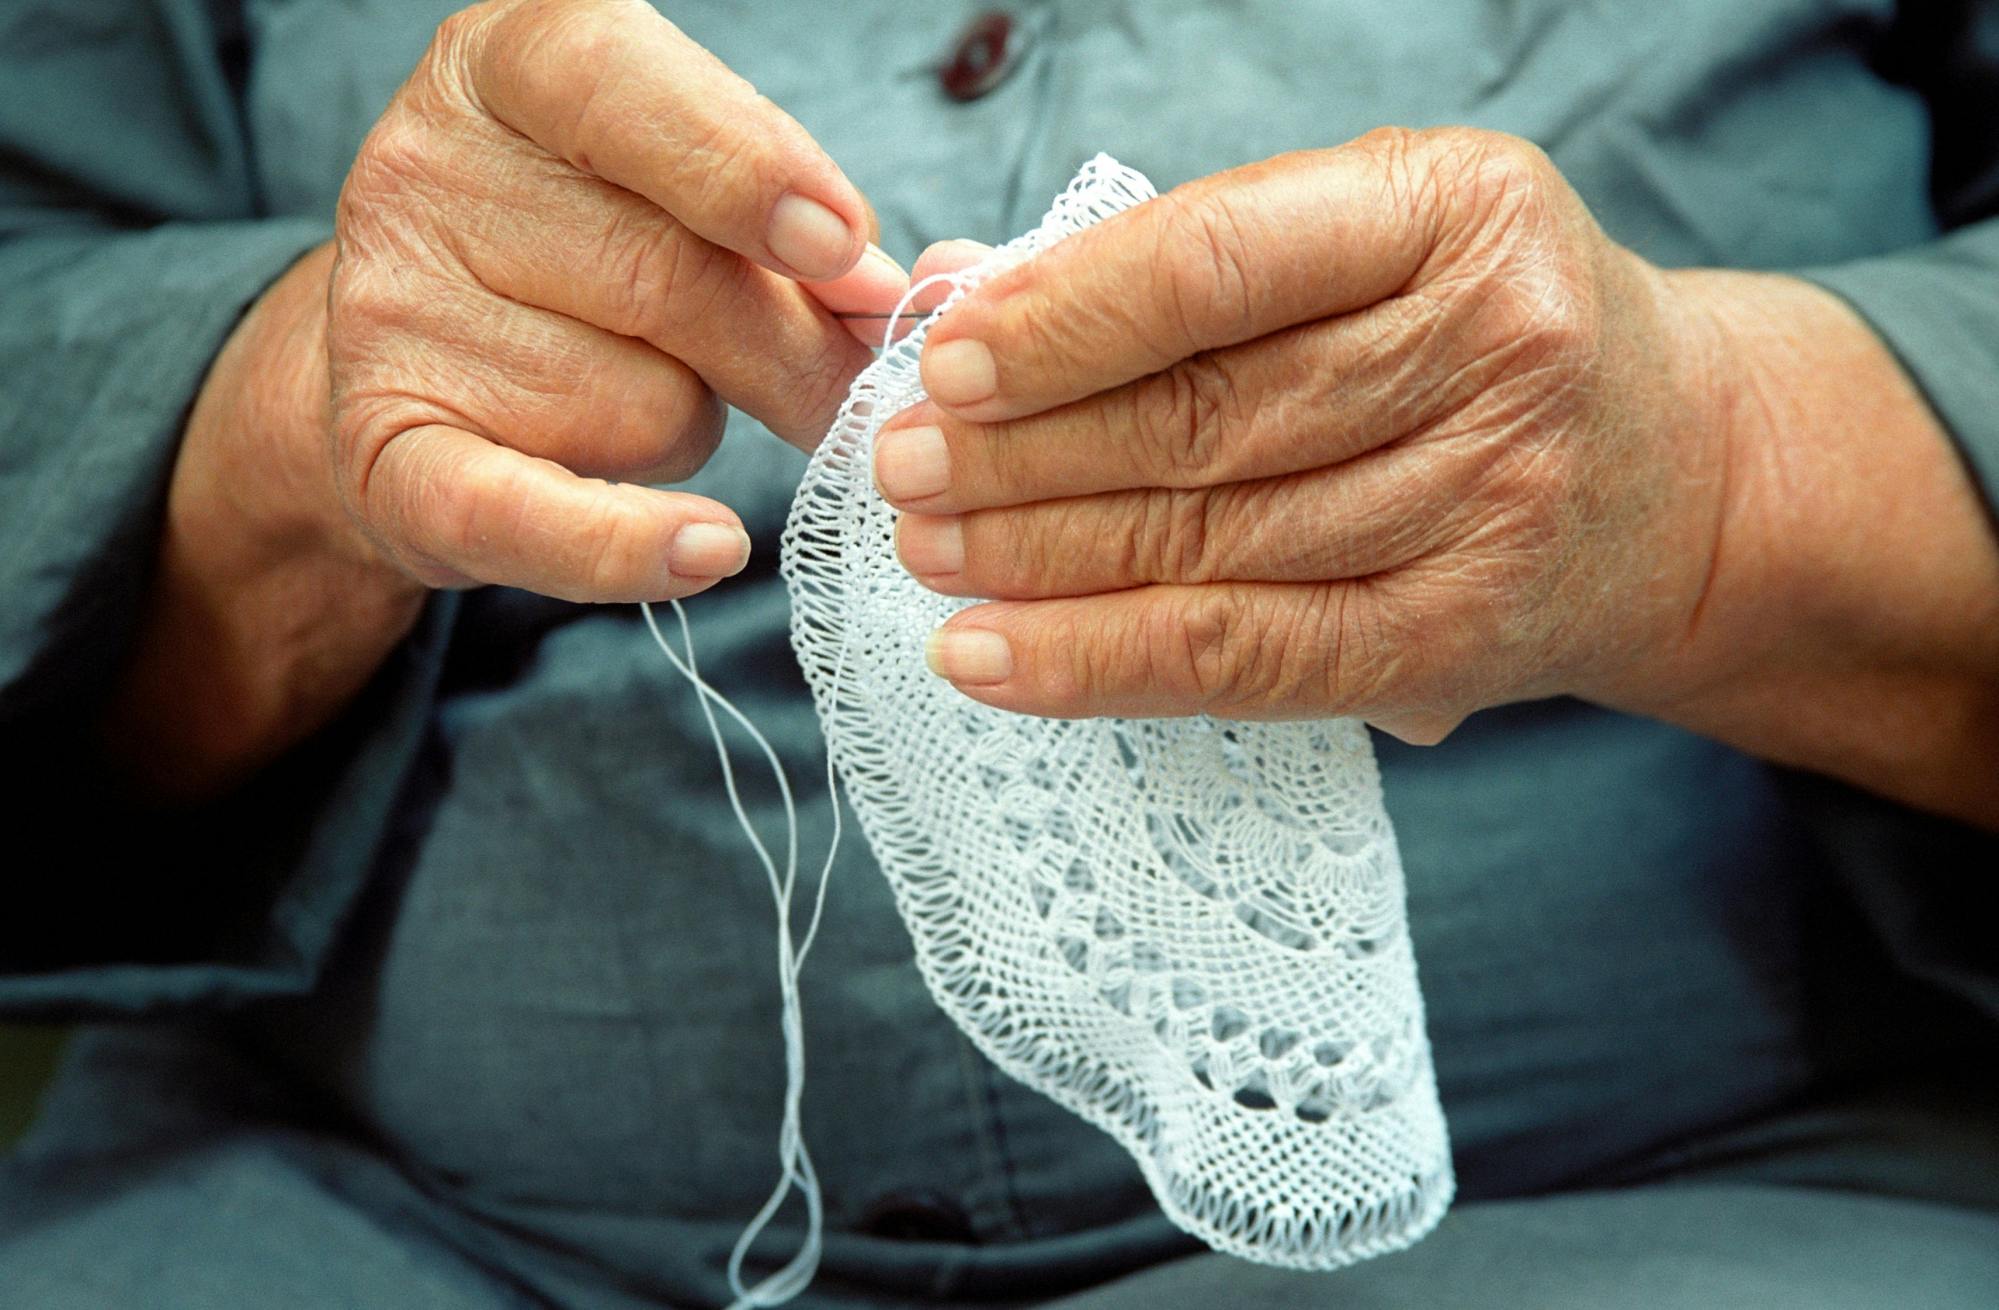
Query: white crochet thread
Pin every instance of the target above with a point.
(794, 1161)
(1190, 932)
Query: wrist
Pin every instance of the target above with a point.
(1669, 570)
(1849, 619)
(1725, 398)
(253, 488)
(253, 513)
(1816, 533)
(267, 609)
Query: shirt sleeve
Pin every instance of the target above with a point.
(1937, 306)
(1923, 881)
(132, 238)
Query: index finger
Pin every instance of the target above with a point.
(617, 91)
(1214, 263)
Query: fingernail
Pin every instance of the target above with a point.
(969, 656)
(959, 372)
(931, 545)
(911, 463)
(809, 238)
(710, 550)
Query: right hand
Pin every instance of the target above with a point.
(571, 237)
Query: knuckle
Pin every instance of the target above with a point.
(1004, 460)
(395, 168)
(694, 442)
(460, 30)
(1489, 188)
(468, 51)
(1550, 311)
(1405, 162)
(1187, 433)
(817, 384)
(1077, 332)
(656, 433)
(574, 33)
(356, 458)
(1391, 141)
(1064, 653)
(619, 547)
(365, 441)
(456, 44)
(448, 511)
(1285, 667)
(657, 276)
(406, 499)
(1509, 165)
(549, 56)
(1145, 553)
(1075, 679)
(551, 80)
(720, 165)
(1198, 648)
(1176, 529)
(1258, 530)
(639, 269)
(1256, 653)
(1527, 299)
(1118, 654)
(1476, 162)
(546, 42)
(1202, 263)
(1339, 649)
(1034, 551)
(1503, 189)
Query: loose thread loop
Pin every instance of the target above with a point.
(795, 1163)
(952, 280)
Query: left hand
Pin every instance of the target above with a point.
(1391, 430)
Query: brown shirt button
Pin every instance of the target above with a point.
(989, 50)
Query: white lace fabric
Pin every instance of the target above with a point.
(1190, 932)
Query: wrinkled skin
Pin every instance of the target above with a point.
(545, 278)
(572, 238)
(1394, 430)
(1398, 454)
(1389, 430)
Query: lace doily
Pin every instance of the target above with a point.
(1190, 932)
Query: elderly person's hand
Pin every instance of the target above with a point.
(1379, 430)
(572, 236)
(1394, 430)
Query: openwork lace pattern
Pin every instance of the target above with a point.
(1190, 932)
